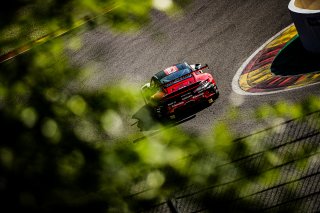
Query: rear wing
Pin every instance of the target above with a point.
(183, 77)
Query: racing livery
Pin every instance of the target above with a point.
(178, 87)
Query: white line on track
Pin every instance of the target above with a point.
(235, 81)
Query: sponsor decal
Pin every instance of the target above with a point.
(172, 103)
(170, 70)
(186, 97)
(197, 96)
(178, 104)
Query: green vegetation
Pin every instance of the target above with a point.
(66, 149)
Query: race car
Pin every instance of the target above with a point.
(178, 87)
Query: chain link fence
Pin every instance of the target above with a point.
(279, 172)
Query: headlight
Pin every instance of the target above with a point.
(203, 85)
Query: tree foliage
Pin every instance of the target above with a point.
(67, 149)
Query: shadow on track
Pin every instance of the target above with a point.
(294, 59)
(147, 120)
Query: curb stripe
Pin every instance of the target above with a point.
(245, 81)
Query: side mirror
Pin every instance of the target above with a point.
(146, 86)
(197, 66)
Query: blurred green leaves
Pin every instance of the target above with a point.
(70, 165)
(29, 117)
(7, 157)
(55, 137)
(63, 147)
(26, 21)
(77, 105)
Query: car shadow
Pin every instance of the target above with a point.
(147, 120)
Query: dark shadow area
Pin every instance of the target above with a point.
(168, 125)
(294, 59)
(183, 114)
(90, 22)
(147, 120)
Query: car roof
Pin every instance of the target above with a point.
(169, 70)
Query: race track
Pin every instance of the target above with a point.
(222, 34)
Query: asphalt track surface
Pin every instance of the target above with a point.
(222, 34)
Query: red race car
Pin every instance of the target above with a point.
(179, 87)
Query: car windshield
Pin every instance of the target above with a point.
(176, 75)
